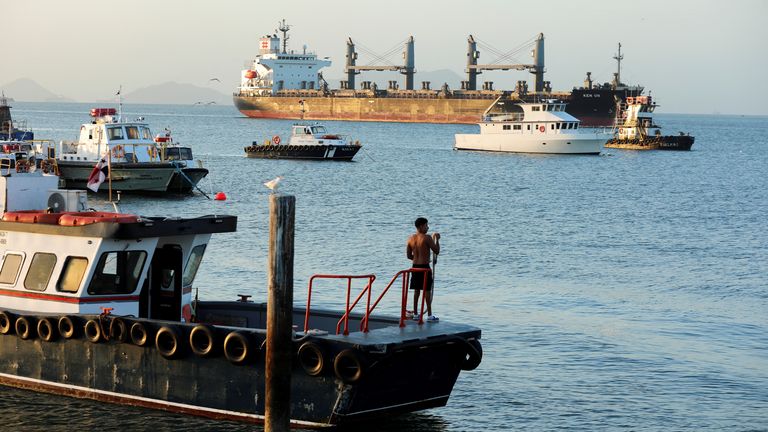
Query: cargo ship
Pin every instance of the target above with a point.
(281, 83)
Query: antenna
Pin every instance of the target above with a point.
(618, 57)
(283, 28)
(120, 104)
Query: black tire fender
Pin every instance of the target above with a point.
(139, 333)
(92, 330)
(118, 330)
(24, 328)
(6, 322)
(67, 327)
(349, 366)
(472, 356)
(46, 330)
(202, 340)
(168, 341)
(237, 347)
(311, 358)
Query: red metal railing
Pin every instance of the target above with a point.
(404, 274)
(345, 318)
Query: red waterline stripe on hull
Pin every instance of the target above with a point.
(65, 299)
(138, 401)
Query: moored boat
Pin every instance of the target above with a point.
(636, 129)
(130, 154)
(99, 305)
(309, 142)
(540, 127)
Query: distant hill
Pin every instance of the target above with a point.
(26, 90)
(176, 93)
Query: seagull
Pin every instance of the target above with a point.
(214, 79)
(274, 183)
(211, 103)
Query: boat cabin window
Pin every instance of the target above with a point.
(549, 107)
(40, 270)
(117, 272)
(535, 108)
(195, 258)
(318, 129)
(72, 274)
(132, 132)
(178, 153)
(507, 127)
(115, 133)
(517, 127)
(10, 269)
(146, 133)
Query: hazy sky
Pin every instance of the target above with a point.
(697, 56)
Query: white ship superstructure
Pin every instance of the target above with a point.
(275, 69)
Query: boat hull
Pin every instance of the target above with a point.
(188, 181)
(126, 177)
(305, 152)
(593, 108)
(670, 142)
(543, 144)
(398, 375)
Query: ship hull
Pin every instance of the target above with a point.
(188, 181)
(126, 177)
(396, 375)
(508, 143)
(674, 143)
(594, 108)
(303, 152)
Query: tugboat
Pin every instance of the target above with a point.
(133, 158)
(309, 142)
(636, 129)
(536, 127)
(99, 305)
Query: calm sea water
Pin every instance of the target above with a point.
(627, 291)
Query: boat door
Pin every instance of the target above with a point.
(165, 283)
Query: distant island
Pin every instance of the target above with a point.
(27, 90)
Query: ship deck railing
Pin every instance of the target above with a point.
(366, 292)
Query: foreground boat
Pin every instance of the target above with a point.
(99, 305)
(636, 130)
(542, 127)
(309, 142)
(133, 159)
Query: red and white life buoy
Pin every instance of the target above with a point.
(542, 128)
(276, 139)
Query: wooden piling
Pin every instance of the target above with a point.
(279, 313)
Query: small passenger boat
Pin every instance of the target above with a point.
(100, 305)
(134, 159)
(636, 130)
(307, 141)
(531, 127)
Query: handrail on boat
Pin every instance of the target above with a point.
(345, 317)
(405, 274)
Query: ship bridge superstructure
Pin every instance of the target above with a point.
(276, 69)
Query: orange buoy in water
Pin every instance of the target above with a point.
(220, 196)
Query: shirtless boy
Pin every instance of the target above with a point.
(418, 249)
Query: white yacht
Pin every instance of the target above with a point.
(532, 127)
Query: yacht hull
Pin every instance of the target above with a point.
(544, 144)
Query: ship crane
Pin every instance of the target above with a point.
(408, 69)
(537, 68)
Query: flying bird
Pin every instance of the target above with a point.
(214, 79)
(274, 183)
